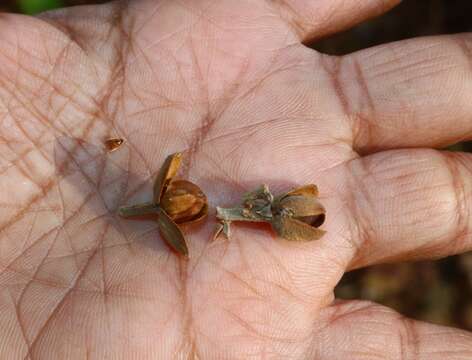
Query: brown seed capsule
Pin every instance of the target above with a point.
(298, 214)
(113, 144)
(184, 202)
(175, 202)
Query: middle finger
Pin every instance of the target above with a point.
(408, 205)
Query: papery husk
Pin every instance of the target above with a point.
(300, 205)
(167, 172)
(309, 190)
(292, 229)
(171, 233)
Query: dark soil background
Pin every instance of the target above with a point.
(439, 291)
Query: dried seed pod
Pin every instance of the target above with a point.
(113, 144)
(294, 216)
(175, 202)
(298, 214)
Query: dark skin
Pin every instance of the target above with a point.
(231, 85)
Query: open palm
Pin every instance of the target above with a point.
(230, 84)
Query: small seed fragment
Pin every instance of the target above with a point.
(113, 144)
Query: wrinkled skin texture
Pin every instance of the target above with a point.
(231, 85)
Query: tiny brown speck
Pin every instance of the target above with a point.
(113, 144)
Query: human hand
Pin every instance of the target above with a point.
(231, 85)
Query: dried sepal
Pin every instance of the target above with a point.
(166, 173)
(292, 229)
(308, 190)
(299, 206)
(172, 233)
(138, 210)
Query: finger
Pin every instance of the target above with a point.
(362, 330)
(408, 205)
(314, 19)
(413, 93)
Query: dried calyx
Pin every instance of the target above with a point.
(175, 202)
(295, 216)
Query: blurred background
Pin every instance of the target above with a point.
(439, 291)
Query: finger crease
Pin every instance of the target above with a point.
(466, 47)
(463, 213)
(289, 16)
(409, 339)
(332, 65)
(362, 232)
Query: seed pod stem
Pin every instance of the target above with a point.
(237, 214)
(240, 213)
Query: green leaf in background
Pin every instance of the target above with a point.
(36, 6)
